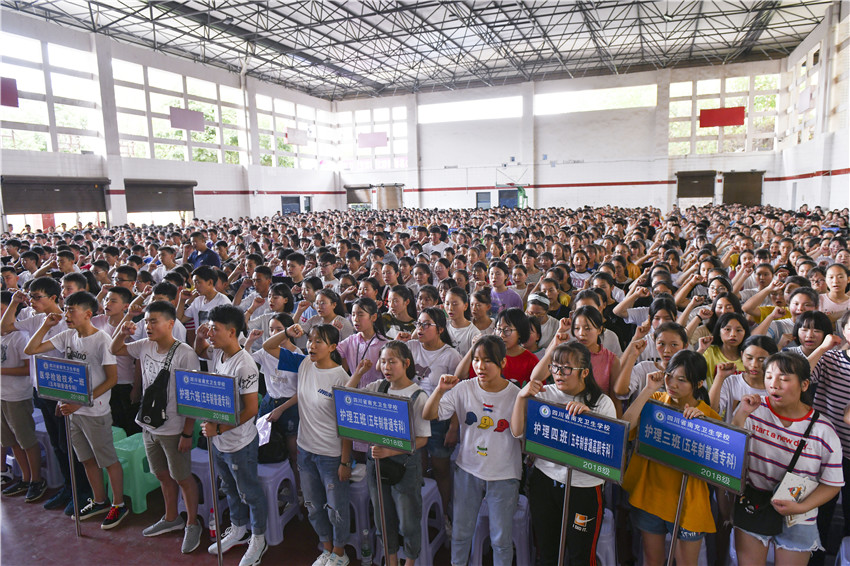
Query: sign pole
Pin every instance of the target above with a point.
(384, 542)
(213, 482)
(73, 475)
(678, 518)
(565, 517)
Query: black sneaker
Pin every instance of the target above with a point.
(114, 517)
(36, 491)
(59, 500)
(17, 488)
(93, 509)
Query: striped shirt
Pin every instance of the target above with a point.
(773, 444)
(832, 374)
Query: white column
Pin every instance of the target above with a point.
(116, 201)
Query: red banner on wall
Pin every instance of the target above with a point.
(722, 117)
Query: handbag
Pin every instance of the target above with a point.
(155, 396)
(753, 511)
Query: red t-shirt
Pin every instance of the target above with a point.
(517, 368)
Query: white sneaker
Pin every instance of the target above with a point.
(337, 560)
(323, 558)
(233, 536)
(256, 548)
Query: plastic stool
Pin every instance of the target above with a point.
(38, 416)
(271, 478)
(50, 469)
(606, 547)
(201, 471)
(733, 554)
(430, 502)
(843, 556)
(118, 434)
(358, 497)
(521, 533)
(138, 479)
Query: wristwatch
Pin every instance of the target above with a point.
(346, 464)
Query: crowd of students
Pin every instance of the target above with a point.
(739, 314)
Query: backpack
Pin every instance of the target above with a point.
(155, 397)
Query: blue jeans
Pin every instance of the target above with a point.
(502, 499)
(323, 490)
(238, 472)
(402, 504)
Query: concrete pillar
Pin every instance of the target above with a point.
(116, 200)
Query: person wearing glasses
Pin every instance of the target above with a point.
(433, 356)
(653, 488)
(568, 363)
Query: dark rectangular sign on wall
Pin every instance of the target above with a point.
(44, 195)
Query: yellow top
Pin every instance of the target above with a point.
(713, 356)
(654, 487)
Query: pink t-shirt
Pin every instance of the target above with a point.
(601, 363)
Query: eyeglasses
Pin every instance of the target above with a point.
(326, 265)
(505, 331)
(37, 297)
(556, 369)
(119, 280)
(424, 325)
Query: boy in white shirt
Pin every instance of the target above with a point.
(91, 427)
(198, 303)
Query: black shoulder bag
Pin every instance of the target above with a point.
(155, 396)
(393, 468)
(753, 511)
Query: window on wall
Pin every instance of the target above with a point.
(144, 97)
(840, 83)
(66, 75)
(800, 116)
(641, 96)
(293, 135)
(484, 109)
(372, 139)
(758, 95)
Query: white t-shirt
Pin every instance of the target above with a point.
(178, 332)
(604, 406)
(487, 448)
(14, 387)
(94, 351)
(733, 389)
(126, 370)
(637, 380)
(152, 362)
(248, 300)
(29, 326)
(431, 364)
(421, 427)
(199, 310)
(242, 367)
(463, 338)
(317, 425)
(279, 383)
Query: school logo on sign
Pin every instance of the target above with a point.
(185, 379)
(545, 411)
(348, 399)
(659, 416)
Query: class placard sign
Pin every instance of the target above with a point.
(705, 448)
(63, 380)
(207, 396)
(377, 418)
(589, 443)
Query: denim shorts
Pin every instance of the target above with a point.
(802, 537)
(437, 441)
(654, 524)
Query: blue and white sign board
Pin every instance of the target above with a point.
(63, 380)
(207, 396)
(705, 448)
(588, 443)
(377, 418)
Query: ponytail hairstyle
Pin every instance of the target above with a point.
(432, 292)
(464, 298)
(401, 350)
(427, 269)
(438, 317)
(339, 307)
(371, 307)
(406, 294)
(577, 355)
(593, 316)
(696, 368)
(284, 318)
(328, 334)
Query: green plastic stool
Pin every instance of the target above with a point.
(118, 434)
(138, 479)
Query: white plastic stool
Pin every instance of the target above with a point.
(50, 469)
(521, 533)
(733, 554)
(606, 547)
(201, 470)
(358, 498)
(430, 502)
(843, 556)
(271, 478)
